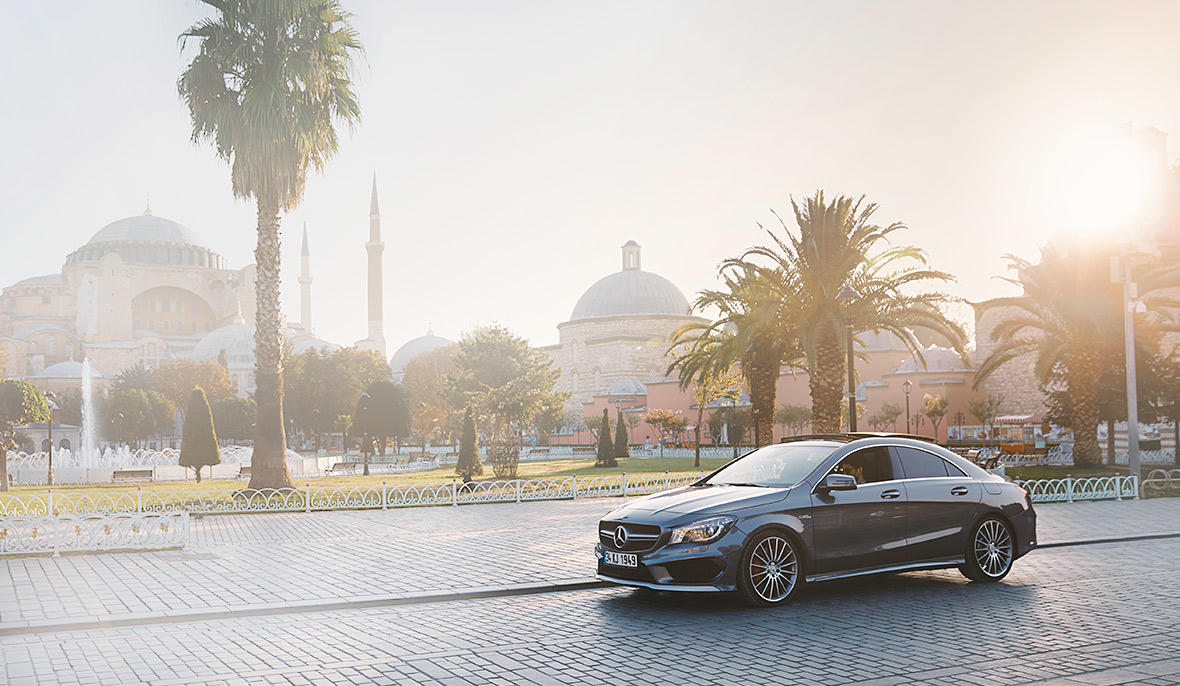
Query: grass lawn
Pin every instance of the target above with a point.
(548, 468)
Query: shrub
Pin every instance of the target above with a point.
(198, 444)
(622, 449)
(606, 448)
(469, 464)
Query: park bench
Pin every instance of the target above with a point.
(343, 467)
(124, 475)
(243, 472)
(585, 450)
(403, 460)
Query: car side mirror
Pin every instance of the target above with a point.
(839, 482)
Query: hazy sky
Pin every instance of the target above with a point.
(517, 145)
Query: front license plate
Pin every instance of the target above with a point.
(620, 559)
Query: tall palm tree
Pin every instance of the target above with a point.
(269, 83)
(1070, 322)
(836, 245)
(754, 330)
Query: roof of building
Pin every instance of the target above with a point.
(630, 292)
(313, 344)
(147, 239)
(415, 347)
(43, 280)
(144, 228)
(26, 331)
(237, 340)
(69, 369)
(937, 360)
(626, 387)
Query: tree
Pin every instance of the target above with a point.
(1070, 323)
(234, 418)
(665, 422)
(426, 380)
(322, 385)
(198, 443)
(622, 447)
(606, 447)
(267, 86)
(716, 423)
(469, 464)
(793, 418)
(389, 412)
(711, 385)
(133, 416)
(934, 407)
(985, 408)
(885, 417)
(176, 380)
(69, 406)
(754, 331)
(835, 245)
(509, 383)
(20, 403)
(737, 422)
(137, 377)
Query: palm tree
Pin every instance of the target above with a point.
(753, 331)
(1070, 322)
(269, 82)
(836, 245)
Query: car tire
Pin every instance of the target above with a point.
(771, 571)
(991, 549)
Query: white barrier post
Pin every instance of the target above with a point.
(518, 490)
(1069, 488)
(624, 484)
(454, 494)
(383, 498)
(56, 540)
(575, 486)
(307, 498)
(138, 499)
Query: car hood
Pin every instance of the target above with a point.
(699, 500)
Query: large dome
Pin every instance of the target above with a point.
(630, 292)
(413, 348)
(147, 239)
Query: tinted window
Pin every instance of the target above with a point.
(919, 464)
(776, 466)
(868, 466)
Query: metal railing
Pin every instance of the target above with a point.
(47, 533)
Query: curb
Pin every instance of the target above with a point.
(364, 602)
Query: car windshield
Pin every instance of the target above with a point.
(774, 466)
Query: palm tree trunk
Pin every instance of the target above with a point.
(762, 379)
(1083, 371)
(827, 383)
(268, 465)
(1110, 440)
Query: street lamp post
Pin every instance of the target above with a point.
(366, 442)
(315, 424)
(846, 297)
(906, 386)
(1120, 272)
(49, 398)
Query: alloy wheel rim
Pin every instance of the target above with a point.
(993, 548)
(774, 568)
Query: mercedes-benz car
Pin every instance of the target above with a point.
(816, 508)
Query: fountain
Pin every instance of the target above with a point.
(88, 450)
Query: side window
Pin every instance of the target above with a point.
(919, 464)
(953, 470)
(868, 466)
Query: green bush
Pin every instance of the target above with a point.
(606, 447)
(469, 464)
(198, 445)
(621, 444)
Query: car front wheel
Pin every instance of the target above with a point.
(989, 551)
(771, 570)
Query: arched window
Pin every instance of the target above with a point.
(45, 445)
(64, 444)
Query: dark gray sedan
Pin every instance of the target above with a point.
(818, 508)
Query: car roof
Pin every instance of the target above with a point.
(848, 437)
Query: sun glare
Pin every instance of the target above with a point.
(1101, 184)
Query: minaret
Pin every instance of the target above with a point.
(305, 285)
(374, 246)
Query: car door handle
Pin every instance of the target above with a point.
(959, 490)
(890, 494)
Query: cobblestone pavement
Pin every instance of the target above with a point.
(1095, 614)
(244, 561)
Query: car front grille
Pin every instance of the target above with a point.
(639, 536)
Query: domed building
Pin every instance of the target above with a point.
(618, 332)
(142, 290)
(412, 349)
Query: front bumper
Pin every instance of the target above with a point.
(709, 567)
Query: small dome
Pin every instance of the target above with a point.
(626, 387)
(43, 280)
(65, 370)
(237, 340)
(415, 347)
(630, 291)
(937, 360)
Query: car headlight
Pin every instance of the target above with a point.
(704, 531)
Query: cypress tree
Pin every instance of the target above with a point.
(198, 444)
(469, 464)
(621, 448)
(606, 447)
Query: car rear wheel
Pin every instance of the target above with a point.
(989, 551)
(771, 570)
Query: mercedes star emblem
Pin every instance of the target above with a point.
(620, 537)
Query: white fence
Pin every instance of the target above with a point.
(43, 533)
(384, 496)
